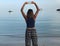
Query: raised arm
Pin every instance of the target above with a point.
(23, 14)
(35, 15)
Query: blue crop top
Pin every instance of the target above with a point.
(30, 22)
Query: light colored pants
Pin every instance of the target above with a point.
(31, 35)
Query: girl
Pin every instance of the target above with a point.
(30, 18)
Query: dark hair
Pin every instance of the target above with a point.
(30, 13)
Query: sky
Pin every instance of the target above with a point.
(15, 5)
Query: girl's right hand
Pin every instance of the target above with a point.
(33, 2)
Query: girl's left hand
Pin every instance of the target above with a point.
(26, 2)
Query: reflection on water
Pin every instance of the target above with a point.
(43, 27)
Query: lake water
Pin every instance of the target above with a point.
(47, 24)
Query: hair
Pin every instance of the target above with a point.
(30, 13)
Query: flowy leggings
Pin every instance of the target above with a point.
(31, 36)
